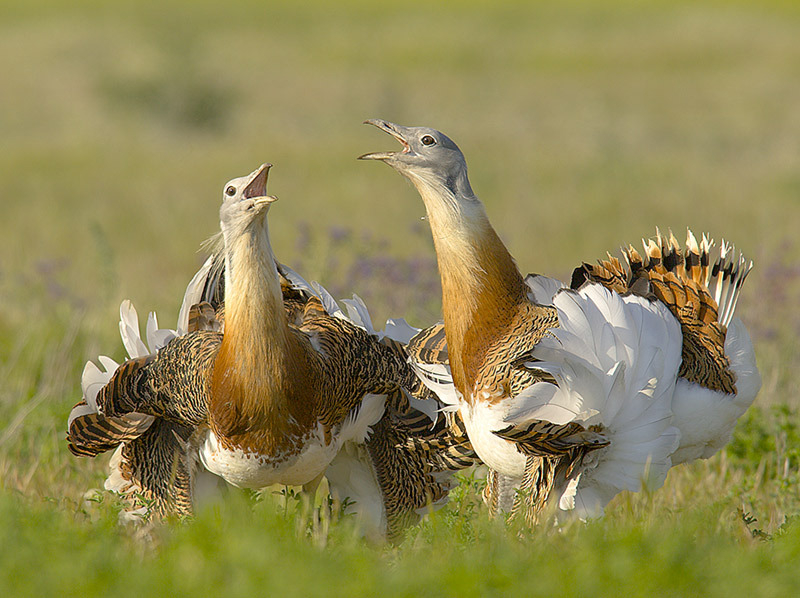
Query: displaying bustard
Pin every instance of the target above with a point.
(572, 395)
(266, 381)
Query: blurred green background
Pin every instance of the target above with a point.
(585, 124)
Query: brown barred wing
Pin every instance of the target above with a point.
(406, 479)
(172, 384)
(546, 439)
(443, 442)
(429, 345)
(154, 471)
(91, 434)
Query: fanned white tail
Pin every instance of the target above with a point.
(706, 418)
(615, 360)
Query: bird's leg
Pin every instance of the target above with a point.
(500, 491)
(310, 488)
(535, 489)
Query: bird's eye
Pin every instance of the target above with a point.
(428, 140)
(230, 191)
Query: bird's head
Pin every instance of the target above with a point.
(245, 203)
(427, 156)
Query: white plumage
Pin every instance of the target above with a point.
(615, 360)
(706, 418)
(352, 482)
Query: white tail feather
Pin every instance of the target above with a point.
(399, 330)
(297, 281)
(328, 302)
(358, 313)
(129, 330)
(726, 273)
(437, 378)
(706, 418)
(357, 426)
(192, 296)
(93, 379)
(615, 360)
(542, 289)
(429, 407)
(351, 476)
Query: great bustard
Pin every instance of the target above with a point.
(573, 395)
(267, 381)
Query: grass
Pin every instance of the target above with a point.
(585, 125)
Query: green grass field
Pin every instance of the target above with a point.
(585, 124)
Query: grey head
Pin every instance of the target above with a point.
(245, 203)
(428, 156)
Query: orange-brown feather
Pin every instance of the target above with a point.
(496, 288)
(261, 397)
(262, 386)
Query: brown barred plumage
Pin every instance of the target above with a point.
(501, 492)
(684, 279)
(172, 384)
(93, 433)
(538, 482)
(158, 471)
(202, 316)
(403, 475)
(429, 345)
(282, 369)
(446, 442)
(545, 439)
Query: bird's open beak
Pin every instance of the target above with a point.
(395, 131)
(264, 201)
(256, 189)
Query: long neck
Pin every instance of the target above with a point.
(481, 285)
(254, 366)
